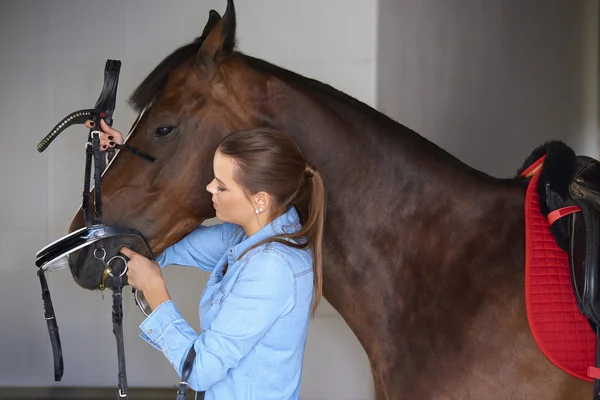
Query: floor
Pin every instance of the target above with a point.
(66, 393)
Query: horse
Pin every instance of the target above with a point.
(423, 254)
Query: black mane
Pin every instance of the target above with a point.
(151, 87)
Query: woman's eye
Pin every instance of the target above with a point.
(220, 189)
(165, 130)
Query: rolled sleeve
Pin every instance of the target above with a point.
(202, 248)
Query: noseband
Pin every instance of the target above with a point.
(95, 232)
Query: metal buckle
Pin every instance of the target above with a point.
(124, 261)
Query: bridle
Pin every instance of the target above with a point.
(52, 257)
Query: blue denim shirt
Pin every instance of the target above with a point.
(254, 319)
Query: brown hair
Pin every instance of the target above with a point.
(270, 161)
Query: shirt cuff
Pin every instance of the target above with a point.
(161, 260)
(159, 319)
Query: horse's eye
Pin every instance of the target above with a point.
(164, 130)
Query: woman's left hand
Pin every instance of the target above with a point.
(146, 276)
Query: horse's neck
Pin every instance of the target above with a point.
(402, 215)
(350, 142)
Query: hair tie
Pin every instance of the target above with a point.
(309, 170)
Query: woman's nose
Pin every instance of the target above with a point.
(210, 187)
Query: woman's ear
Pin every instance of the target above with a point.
(262, 201)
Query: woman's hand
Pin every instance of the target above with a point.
(146, 276)
(108, 136)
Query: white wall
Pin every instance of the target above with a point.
(490, 80)
(51, 63)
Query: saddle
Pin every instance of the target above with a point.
(585, 238)
(569, 191)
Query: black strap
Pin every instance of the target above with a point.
(85, 204)
(98, 168)
(52, 327)
(186, 371)
(135, 151)
(117, 318)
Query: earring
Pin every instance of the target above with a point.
(259, 210)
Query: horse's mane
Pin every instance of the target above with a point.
(291, 77)
(152, 86)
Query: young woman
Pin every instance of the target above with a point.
(265, 265)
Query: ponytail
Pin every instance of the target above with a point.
(312, 230)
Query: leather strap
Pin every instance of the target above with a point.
(85, 204)
(52, 327)
(117, 319)
(135, 151)
(186, 371)
(97, 175)
(561, 212)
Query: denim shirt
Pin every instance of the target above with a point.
(254, 319)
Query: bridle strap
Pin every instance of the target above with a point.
(135, 151)
(103, 109)
(52, 327)
(98, 168)
(85, 204)
(117, 319)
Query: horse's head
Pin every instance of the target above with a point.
(188, 103)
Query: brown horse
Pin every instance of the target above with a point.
(423, 257)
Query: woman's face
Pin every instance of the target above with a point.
(229, 199)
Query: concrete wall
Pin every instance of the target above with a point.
(490, 80)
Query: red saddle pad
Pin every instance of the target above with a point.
(560, 330)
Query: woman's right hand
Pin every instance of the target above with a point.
(108, 136)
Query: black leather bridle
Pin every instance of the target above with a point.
(95, 232)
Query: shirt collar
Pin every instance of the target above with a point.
(288, 222)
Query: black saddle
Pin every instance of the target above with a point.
(584, 237)
(574, 212)
(569, 190)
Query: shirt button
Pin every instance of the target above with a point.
(149, 331)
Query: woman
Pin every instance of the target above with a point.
(265, 265)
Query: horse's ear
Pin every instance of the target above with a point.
(221, 39)
(213, 18)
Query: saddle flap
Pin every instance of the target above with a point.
(584, 260)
